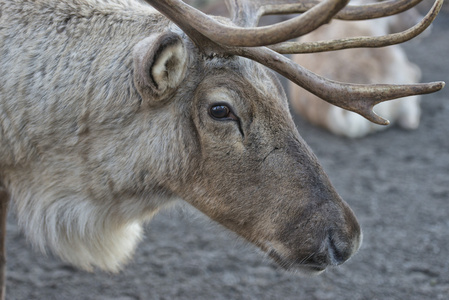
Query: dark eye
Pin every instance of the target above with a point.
(219, 111)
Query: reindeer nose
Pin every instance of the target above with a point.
(337, 254)
(339, 250)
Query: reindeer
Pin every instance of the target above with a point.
(372, 65)
(111, 110)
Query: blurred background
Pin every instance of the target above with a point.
(396, 181)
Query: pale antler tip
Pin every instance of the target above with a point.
(382, 121)
(375, 118)
(436, 86)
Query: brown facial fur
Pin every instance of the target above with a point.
(264, 183)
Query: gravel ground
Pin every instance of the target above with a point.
(396, 182)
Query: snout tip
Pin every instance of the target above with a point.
(334, 251)
(340, 251)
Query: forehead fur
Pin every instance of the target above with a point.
(254, 75)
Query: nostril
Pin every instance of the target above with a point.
(338, 254)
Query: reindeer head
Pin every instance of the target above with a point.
(251, 170)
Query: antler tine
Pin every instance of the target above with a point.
(244, 13)
(350, 12)
(376, 10)
(247, 13)
(359, 42)
(194, 22)
(359, 98)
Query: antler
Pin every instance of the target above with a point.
(248, 41)
(359, 42)
(350, 12)
(187, 18)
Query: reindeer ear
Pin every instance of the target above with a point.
(159, 65)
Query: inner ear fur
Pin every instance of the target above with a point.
(160, 62)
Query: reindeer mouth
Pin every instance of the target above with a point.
(331, 251)
(304, 266)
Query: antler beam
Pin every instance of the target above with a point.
(359, 98)
(249, 37)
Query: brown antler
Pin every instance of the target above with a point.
(359, 98)
(350, 12)
(359, 42)
(187, 17)
(214, 37)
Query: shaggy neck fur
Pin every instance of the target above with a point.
(75, 175)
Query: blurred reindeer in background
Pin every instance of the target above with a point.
(362, 65)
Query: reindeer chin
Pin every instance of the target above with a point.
(295, 266)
